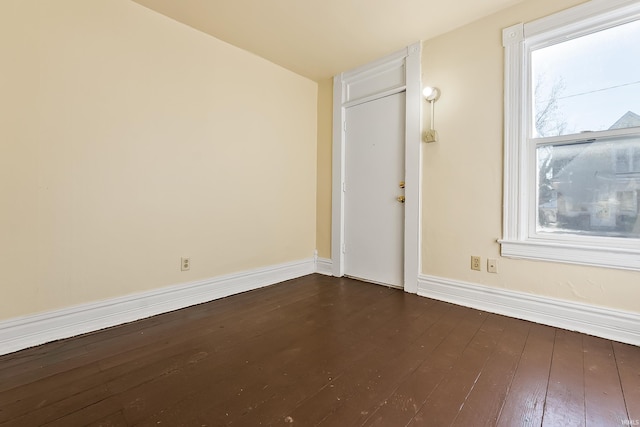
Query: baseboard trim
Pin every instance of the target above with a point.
(28, 331)
(602, 322)
(324, 266)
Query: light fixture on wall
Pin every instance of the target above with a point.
(431, 94)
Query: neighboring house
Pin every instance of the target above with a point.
(628, 120)
(594, 190)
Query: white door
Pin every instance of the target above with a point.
(374, 170)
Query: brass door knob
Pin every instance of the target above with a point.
(400, 199)
(401, 184)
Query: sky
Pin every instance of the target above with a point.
(598, 76)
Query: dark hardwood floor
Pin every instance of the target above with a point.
(328, 352)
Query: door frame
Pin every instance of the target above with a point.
(398, 72)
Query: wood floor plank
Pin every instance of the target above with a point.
(88, 415)
(55, 363)
(402, 403)
(628, 362)
(444, 401)
(59, 409)
(604, 402)
(524, 404)
(564, 404)
(182, 381)
(483, 405)
(263, 346)
(297, 382)
(22, 400)
(352, 385)
(334, 341)
(253, 385)
(388, 331)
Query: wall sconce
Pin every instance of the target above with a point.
(431, 94)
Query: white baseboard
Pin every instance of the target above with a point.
(602, 322)
(28, 331)
(324, 266)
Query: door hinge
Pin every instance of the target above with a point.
(344, 187)
(344, 125)
(344, 248)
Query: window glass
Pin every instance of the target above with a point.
(589, 83)
(590, 188)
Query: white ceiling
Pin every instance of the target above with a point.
(320, 38)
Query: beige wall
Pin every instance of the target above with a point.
(128, 140)
(462, 207)
(325, 138)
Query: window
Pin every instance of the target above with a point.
(572, 136)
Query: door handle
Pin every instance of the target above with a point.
(400, 199)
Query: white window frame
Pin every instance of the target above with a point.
(520, 239)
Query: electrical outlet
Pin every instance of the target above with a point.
(492, 265)
(475, 263)
(185, 263)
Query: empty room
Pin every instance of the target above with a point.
(319, 213)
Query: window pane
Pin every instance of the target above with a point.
(590, 83)
(590, 188)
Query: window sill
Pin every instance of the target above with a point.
(619, 258)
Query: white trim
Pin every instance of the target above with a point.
(383, 66)
(602, 322)
(28, 331)
(324, 266)
(514, 88)
(583, 19)
(585, 136)
(520, 238)
(413, 170)
(410, 59)
(620, 258)
(378, 95)
(379, 66)
(337, 183)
